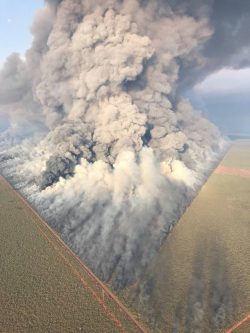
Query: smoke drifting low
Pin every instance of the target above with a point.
(99, 141)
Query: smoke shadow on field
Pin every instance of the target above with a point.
(178, 318)
(196, 302)
(221, 295)
(211, 302)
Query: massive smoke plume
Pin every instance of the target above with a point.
(99, 139)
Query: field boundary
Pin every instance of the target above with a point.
(238, 324)
(103, 287)
(224, 170)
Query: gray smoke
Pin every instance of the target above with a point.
(229, 46)
(99, 140)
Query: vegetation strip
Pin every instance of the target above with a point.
(240, 323)
(83, 266)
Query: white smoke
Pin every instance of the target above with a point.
(122, 155)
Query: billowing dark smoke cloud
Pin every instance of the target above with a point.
(113, 155)
(229, 45)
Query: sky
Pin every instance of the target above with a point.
(15, 22)
(223, 96)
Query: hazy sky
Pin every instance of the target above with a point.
(224, 96)
(15, 21)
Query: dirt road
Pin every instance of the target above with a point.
(200, 279)
(232, 171)
(43, 284)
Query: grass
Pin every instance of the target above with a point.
(38, 291)
(200, 280)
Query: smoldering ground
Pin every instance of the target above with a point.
(99, 139)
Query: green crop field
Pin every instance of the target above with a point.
(41, 284)
(200, 280)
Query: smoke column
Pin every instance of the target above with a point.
(99, 139)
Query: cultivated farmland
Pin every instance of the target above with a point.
(200, 280)
(43, 288)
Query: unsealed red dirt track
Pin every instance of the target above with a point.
(106, 291)
(232, 171)
(238, 324)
